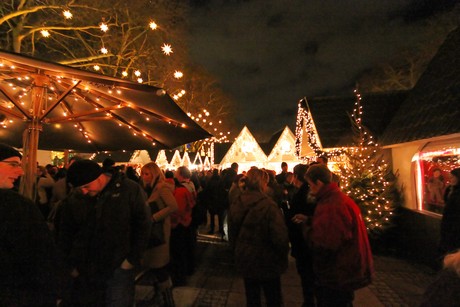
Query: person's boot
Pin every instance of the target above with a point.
(163, 294)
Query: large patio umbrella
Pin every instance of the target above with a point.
(45, 105)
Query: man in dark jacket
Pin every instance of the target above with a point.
(105, 226)
(28, 255)
(300, 204)
(342, 258)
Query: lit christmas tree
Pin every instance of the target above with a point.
(368, 179)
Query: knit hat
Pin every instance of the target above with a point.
(6, 151)
(83, 172)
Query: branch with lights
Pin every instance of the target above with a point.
(368, 179)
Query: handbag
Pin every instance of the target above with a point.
(157, 234)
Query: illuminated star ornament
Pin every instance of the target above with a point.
(166, 49)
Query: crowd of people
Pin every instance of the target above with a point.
(88, 233)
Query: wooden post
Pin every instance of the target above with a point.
(31, 136)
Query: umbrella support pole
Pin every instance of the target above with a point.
(30, 140)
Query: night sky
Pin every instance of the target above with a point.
(268, 54)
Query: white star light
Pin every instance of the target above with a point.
(153, 25)
(178, 74)
(45, 33)
(67, 14)
(104, 50)
(104, 27)
(166, 49)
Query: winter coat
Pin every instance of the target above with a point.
(158, 256)
(299, 205)
(185, 204)
(342, 257)
(450, 223)
(98, 233)
(28, 256)
(259, 236)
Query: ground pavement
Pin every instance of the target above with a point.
(215, 282)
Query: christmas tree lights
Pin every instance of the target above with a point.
(368, 179)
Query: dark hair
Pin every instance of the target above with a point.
(283, 164)
(456, 172)
(256, 179)
(324, 158)
(319, 172)
(169, 174)
(299, 171)
(184, 172)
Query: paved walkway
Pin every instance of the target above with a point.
(215, 283)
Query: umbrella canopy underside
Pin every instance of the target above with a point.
(86, 112)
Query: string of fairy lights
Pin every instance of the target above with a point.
(54, 89)
(365, 175)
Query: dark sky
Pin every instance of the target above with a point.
(268, 54)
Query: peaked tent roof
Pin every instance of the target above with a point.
(433, 107)
(278, 153)
(332, 120)
(237, 152)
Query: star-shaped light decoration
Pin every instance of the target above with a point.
(178, 74)
(45, 33)
(104, 27)
(166, 49)
(137, 73)
(124, 73)
(153, 25)
(104, 50)
(67, 14)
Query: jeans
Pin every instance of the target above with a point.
(120, 288)
(271, 288)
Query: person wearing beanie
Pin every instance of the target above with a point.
(450, 222)
(29, 259)
(104, 229)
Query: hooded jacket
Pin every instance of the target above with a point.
(258, 234)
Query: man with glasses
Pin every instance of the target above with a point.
(28, 258)
(104, 228)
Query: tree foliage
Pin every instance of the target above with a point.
(133, 49)
(369, 180)
(402, 71)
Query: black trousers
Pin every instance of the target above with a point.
(328, 297)
(271, 288)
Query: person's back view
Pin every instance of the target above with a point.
(258, 236)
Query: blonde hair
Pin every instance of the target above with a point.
(452, 262)
(157, 173)
(256, 179)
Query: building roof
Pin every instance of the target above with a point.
(331, 116)
(433, 106)
(220, 149)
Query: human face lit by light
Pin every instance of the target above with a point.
(314, 187)
(10, 170)
(93, 188)
(147, 176)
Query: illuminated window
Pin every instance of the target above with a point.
(432, 167)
